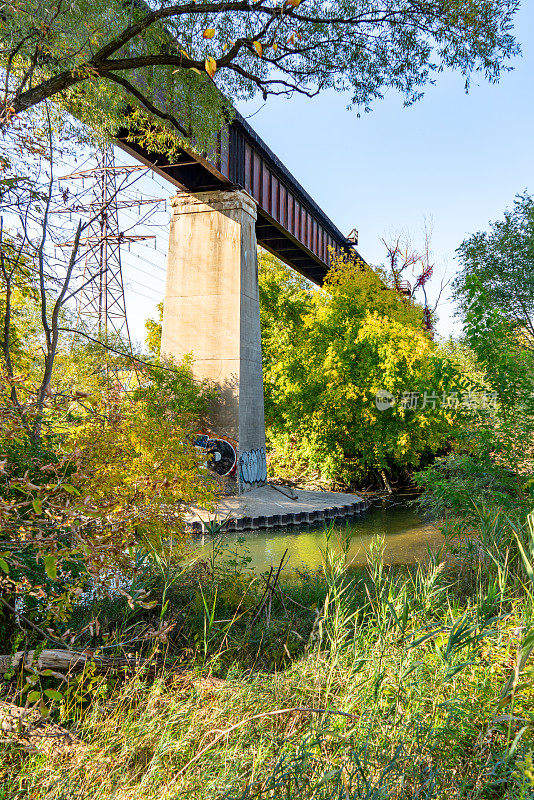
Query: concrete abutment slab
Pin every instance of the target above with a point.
(267, 507)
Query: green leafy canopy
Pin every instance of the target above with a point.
(495, 291)
(171, 66)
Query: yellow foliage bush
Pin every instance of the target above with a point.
(326, 355)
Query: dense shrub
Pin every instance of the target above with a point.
(326, 353)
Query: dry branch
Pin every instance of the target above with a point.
(276, 713)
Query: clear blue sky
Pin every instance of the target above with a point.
(455, 159)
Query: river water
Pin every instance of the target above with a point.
(408, 537)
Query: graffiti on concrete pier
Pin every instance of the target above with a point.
(221, 454)
(221, 458)
(253, 466)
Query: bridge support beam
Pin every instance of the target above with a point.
(211, 310)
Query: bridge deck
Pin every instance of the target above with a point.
(290, 224)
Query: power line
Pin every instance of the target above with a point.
(144, 272)
(139, 283)
(150, 263)
(146, 297)
(101, 303)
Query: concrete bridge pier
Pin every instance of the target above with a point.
(211, 310)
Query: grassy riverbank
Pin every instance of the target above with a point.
(385, 683)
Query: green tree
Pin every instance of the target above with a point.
(326, 355)
(177, 62)
(492, 466)
(495, 290)
(87, 469)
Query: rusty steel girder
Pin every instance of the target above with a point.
(290, 224)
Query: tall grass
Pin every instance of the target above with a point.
(411, 683)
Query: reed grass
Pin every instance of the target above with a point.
(408, 684)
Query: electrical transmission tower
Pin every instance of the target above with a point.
(101, 305)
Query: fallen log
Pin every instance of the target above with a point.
(62, 661)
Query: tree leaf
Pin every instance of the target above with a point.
(258, 48)
(4, 566)
(53, 694)
(34, 696)
(50, 566)
(37, 504)
(209, 33)
(211, 66)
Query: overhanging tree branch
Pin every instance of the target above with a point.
(145, 102)
(366, 45)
